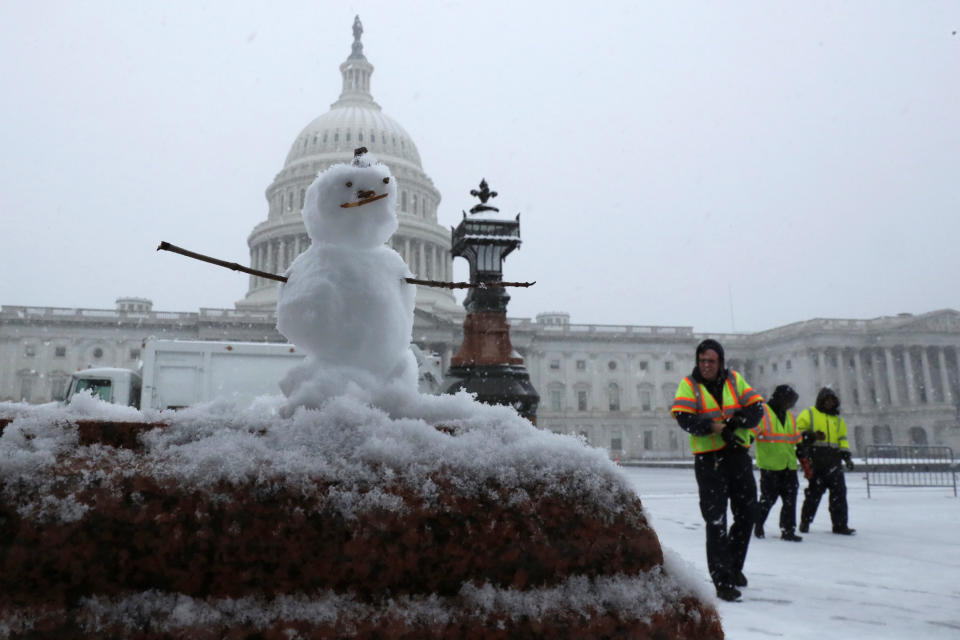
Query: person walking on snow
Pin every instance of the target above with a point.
(828, 450)
(720, 411)
(777, 461)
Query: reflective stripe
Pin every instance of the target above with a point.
(704, 404)
(832, 428)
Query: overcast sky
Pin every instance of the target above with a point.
(726, 166)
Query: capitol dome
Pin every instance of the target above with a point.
(354, 120)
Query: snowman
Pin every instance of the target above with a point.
(346, 302)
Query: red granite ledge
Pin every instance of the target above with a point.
(148, 534)
(687, 619)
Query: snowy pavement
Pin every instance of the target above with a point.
(898, 577)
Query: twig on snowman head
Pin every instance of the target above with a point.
(166, 246)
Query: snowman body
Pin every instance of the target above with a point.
(346, 302)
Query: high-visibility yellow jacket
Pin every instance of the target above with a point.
(693, 397)
(777, 441)
(830, 431)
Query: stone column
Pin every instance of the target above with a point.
(816, 358)
(944, 375)
(281, 256)
(841, 373)
(861, 380)
(406, 253)
(927, 378)
(422, 259)
(269, 265)
(911, 380)
(877, 390)
(892, 376)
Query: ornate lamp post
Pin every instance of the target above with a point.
(486, 363)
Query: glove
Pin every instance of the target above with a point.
(807, 470)
(736, 421)
(731, 438)
(848, 460)
(807, 438)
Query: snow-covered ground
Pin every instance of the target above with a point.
(898, 577)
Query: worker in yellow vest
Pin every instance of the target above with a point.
(720, 411)
(826, 433)
(777, 461)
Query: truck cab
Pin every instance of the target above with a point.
(110, 384)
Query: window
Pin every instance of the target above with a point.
(643, 365)
(324, 137)
(646, 399)
(360, 136)
(616, 440)
(918, 436)
(613, 395)
(30, 350)
(668, 365)
(647, 440)
(774, 367)
(348, 136)
(58, 385)
(581, 365)
(789, 365)
(26, 388)
(761, 368)
(581, 400)
(403, 201)
(102, 389)
(858, 438)
(556, 400)
(882, 434)
(60, 352)
(554, 364)
(373, 137)
(134, 354)
(98, 353)
(336, 137)
(612, 365)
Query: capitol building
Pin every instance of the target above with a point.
(898, 376)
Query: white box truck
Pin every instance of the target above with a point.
(179, 373)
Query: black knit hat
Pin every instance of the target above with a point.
(709, 345)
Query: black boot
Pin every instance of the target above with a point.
(739, 580)
(758, 530)
(730, 594)
(791, 536)
(804, 526)
(844, 530)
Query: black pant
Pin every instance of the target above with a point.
(781, 484)
(721, 476)
(829, 478)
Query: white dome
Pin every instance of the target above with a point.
(346, 127)
(354, 120)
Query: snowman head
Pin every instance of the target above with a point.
(352, 204)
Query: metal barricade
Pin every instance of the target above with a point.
(891, 465)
